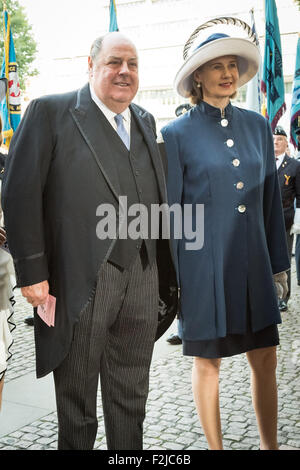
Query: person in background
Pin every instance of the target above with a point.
(297, 244)
(289, 181)
(7, 301)
(221, 157)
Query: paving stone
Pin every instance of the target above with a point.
(46, 432)
(24, 444)
(29, 437)
(172, 446)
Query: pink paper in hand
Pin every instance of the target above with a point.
(47, 310)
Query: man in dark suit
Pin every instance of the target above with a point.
(72, 158)
(289, 180)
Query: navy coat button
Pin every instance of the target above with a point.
(242, 208)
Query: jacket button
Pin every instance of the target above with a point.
(239, 185)
(242, 208)
(236, 162)
(224, 123)
(229, 143)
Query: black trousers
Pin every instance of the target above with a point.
(114, 338)
(289, 241)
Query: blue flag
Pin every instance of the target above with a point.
(295, 109)
(10, 107)
(113, 25)
(272, 84)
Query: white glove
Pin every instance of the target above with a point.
(280, 280)
(295, 228)
(296, 225)
(159, 139)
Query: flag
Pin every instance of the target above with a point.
(113, 25)
(272, 84)
(295, 109)
(253, 99)
(10, 107)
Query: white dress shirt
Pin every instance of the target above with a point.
(279, 160)
(109, 114)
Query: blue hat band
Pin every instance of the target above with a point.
(211, 38)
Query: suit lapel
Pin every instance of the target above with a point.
(282, 171)
(284, 163)
(142, 119)
(93, 125)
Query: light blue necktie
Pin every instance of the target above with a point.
(121, 130)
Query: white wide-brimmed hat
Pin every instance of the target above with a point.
(218, 45)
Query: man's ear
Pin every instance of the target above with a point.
(90, 66)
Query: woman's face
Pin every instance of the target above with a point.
(218, 77)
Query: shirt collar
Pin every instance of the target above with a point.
(279, 159)
(108, 113)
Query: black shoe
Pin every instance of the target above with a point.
(29, 321)
(174, 339)
(282, 306)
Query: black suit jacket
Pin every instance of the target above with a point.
(289, 181)
(58, 172)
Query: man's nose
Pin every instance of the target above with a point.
(124, 67)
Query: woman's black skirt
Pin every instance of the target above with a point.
(232, 344)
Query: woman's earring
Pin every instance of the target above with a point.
(198, 85)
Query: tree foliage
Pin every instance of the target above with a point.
(25, 45)
(298, 3)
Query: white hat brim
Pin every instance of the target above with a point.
(247, 54)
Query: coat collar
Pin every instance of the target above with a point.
(215, 112)
(86, 115)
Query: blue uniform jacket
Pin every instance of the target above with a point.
(229, 166)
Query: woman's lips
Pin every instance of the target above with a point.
(226, 85)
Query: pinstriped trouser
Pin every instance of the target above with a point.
(114, 338)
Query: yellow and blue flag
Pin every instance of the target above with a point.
(113, 24)
(10, 107)
(295, 109)
(272, 83)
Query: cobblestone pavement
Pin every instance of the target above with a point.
(171, 421)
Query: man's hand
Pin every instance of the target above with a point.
(2, 236)
(36, 294)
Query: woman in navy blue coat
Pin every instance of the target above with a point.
(222, 156)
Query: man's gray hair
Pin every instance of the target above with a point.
(96, 48)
